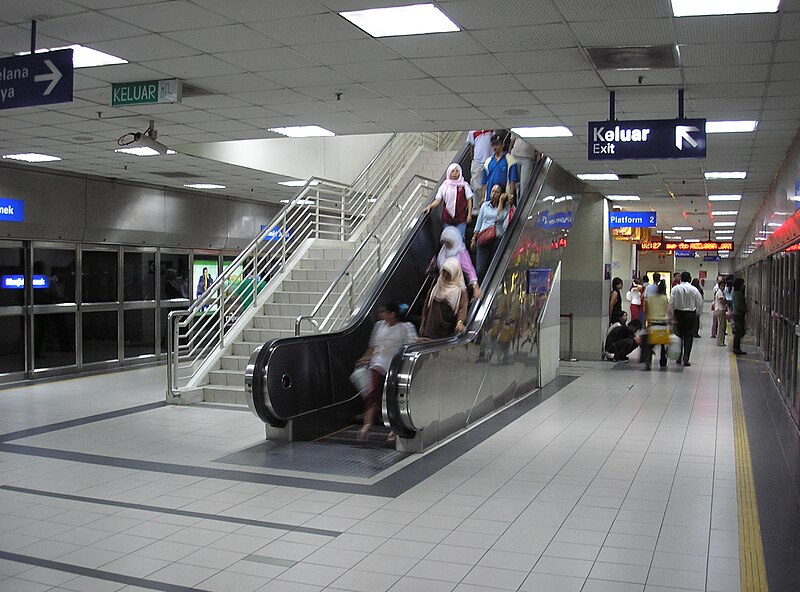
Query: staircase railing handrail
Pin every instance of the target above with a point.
(346, 269)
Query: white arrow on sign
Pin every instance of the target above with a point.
(682, 134)
(53, 77)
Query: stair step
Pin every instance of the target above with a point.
(218, 393)
(231, 362)
(226, 378)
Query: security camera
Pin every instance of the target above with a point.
(143, 139)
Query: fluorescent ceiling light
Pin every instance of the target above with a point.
(84, 57)
(760, 238)
(727, 127)
(725, 213)
(675, 238)
(723, 252)
(623, 197)
(666, 231)
(719, 7)
(722, 224)
(297, 183)
(682, 228)
(417, 19)
(204, 186)
(776, 224)
(724, 197)
(302, 131)
(299, 202)
(32, 157)
(794, 198)
(726, 175)
(598, 177)
(142, 151)
(550, 131)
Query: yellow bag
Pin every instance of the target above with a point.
(657, 335)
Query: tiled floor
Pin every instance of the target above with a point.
(622, 481)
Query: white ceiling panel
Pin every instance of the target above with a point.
(550, 36)
(590, 10)
(433, 46)
(198, 66)
(624, 33)
(145, 47)
(514, 99)
(171, 15)
(306, 77)
(628, 78)
(560, 80)
(754, 73)
(318, 28)
(549, 60)
(475, 14)
(497, 83)
(456, 66)
(234, 83)
(354, 51)
(432, 101)
(710, 29)
(407, 88)
(374, 71)
(244, 11)
(14, 39)
(724, 54)
(224, 38)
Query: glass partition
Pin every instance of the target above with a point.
(99, 276)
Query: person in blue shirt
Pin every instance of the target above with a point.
(500, 168)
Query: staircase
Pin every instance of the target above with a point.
(294, 296)
(211, 343)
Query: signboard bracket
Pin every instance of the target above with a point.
(612, 99)
(33, 36)
(680, 103)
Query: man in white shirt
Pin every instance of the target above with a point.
(481, 148)
(685, 304)
(720, 312)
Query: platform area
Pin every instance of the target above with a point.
(612, 479)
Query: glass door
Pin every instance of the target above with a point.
(13, 322)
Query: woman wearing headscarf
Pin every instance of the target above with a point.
(456, 194)
(453, 246)
(446, 306)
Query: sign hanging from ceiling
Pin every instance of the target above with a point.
(682, 246)
(647, 138)
(37, 79)
(12, 210)
(146, 92)
(632, 220)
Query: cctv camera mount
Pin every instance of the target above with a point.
(147, 138)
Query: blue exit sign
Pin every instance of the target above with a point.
(632, 220)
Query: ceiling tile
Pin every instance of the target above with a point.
(457, 66)
(623, 33)
(475, 14)
(306, 77)
(390, 70)
(318, 28)
(497, 83)
(545, 60)
(354, 51)
(267, 59)
(171, 15)
(198, 66)
(225, 38)
(712, 29)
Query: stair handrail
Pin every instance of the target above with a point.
(213, 316)
(422, 183)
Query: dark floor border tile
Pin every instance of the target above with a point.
(775, 453)
(97, 574)
(173, 511)
(391, 486)
(71, 423)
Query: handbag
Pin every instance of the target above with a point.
(657, 335)
(362, 380)
(487, 235)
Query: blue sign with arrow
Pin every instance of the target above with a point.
(36, 79)
(647, 138)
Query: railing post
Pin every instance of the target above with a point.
(255, 277)
(221, 308)
(350, 291)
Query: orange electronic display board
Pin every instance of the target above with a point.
(667, 245)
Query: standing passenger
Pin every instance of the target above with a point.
(446, 305)
(481, 148)
(500, 168)
(720, 311)
(615, 301)
(696, 284)
(492, 214)
(453, 246)
(685, 301)
(457, 197)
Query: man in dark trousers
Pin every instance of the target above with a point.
(622, 340)
(685, 303)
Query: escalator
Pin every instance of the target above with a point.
(300, 386)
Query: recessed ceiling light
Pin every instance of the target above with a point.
(682, 228)
(204, 186)
(724, 197)
(417, 19)
(84, 57)
(32, 157)
(775, 224)
(550, 131)
(728, 127)
(718, 7)
(726, 175)
(302, 131)
(598, 177)
(725, 213)
(297, 183)
(623, 197)
(721, 224)
(666, 231)
(142, 151)
(675, 238)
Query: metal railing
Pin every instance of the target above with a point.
(321, 209)
(364, 265)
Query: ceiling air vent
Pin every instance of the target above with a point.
(189, 91)
(628, 58)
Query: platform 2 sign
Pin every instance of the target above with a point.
(682, 246)
(647, 138)
(632, 220)
(37, 79)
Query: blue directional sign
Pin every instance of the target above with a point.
(12, 210)
(647, 138)
(632, 220)
(711, 258)
(684, 254)
(36, 79)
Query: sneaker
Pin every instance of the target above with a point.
(687, 364)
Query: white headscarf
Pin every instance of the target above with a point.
(453, 236)
(449, 291)
(449, 189)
